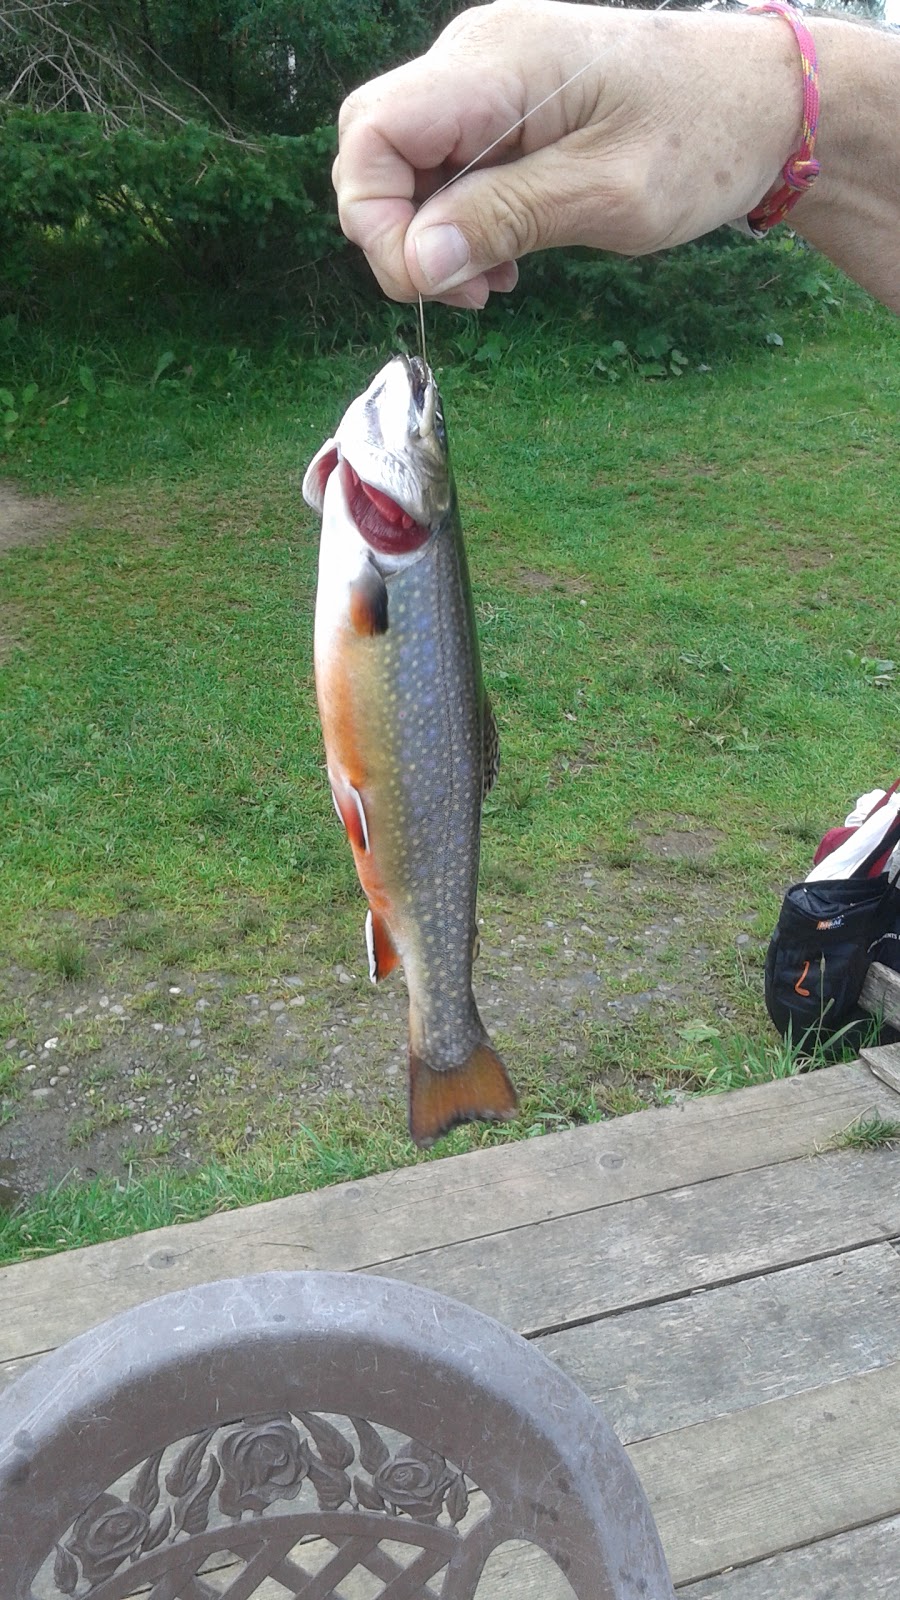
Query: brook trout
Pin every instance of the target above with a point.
(410, 739)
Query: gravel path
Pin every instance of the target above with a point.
(125, 1067)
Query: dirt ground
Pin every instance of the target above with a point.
(123, 1068)
(24, 520)
(137, 1062)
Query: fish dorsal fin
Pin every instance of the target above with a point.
(491, 749)
(383, 953)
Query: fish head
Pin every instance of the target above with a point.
(391, 460)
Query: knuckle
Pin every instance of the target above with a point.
(512, 222)
(352, 110)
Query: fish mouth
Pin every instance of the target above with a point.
(420, 380)
(381, 521)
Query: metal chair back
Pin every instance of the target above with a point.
(309, 1436)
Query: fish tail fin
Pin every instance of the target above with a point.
(479, 1090)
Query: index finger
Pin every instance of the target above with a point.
(398, 136)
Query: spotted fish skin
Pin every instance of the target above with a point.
(406, 726)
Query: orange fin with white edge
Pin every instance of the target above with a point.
(383, 953)
(478, 1091)
(348, 803)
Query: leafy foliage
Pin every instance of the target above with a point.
(658, 314)
(276, 67)
(125, 137)
(121, 125)
(217, 206)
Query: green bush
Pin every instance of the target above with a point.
(221, 208)
(703, 299)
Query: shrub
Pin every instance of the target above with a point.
(220, 207)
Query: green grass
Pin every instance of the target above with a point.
(868, 1133)
(350, 1141)
(720, 1061)
(702, 569)
(686, 591)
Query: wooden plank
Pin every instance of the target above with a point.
(684, 1361)
(737, 1490)
(881, 993)
(884, 1061)
(557, 1273)
(673, 1365)
(379, 1219)
(522, 1570)
(862, 1565)
(742, 1487)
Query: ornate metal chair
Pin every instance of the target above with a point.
(301, 1436)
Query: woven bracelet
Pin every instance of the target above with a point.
(799, 172)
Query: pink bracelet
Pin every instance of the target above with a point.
(799, 172)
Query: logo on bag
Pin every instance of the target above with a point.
(828, 922)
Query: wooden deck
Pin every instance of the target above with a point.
(726, 1288)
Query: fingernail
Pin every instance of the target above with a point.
(470, 297)
(443, 256)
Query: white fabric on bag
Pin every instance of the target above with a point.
(843, 862)
(863, 806)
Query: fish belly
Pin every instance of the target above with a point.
(402, 718)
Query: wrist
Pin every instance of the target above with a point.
(737, 127)
(852, 212)
(802, 167)
(858, 83)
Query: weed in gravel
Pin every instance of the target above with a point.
(95, 1076)
(10, 1085)
(730, 1061)
(9, 1071)
(161, 1005)
(16, 1024)
(83, 1037)
(68, 957)
(721, 1061)
(144, 1080)
(142, 933)
(106, 1114)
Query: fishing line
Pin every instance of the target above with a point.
(422, 330)
(578, 73)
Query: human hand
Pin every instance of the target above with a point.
(681, 121)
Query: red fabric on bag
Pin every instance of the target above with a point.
(831, 841)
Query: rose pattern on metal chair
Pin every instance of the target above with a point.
(239, 1472)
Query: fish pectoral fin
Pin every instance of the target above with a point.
(383, 953)
(491, 741)
(348, 803)
(477, 1091)
(369, 602)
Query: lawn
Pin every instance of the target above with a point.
(688, 604)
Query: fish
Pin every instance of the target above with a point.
(410, 738)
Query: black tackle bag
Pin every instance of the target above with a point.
(828, 933)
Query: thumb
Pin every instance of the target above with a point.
(500, 214)
(483, 220)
